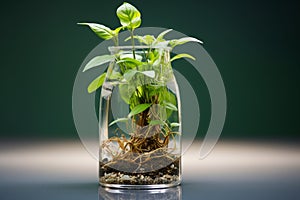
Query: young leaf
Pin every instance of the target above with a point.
(149, 39)
(98, 60)
(117, 30)
(129, 16)
(182, 55)
(101, 30)
(95, 84)
(184, 40)
(170, 106)
(138, 109)
(118, 120)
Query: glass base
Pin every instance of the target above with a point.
(171, 193)
(153, 186)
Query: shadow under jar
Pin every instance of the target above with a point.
(140, 120)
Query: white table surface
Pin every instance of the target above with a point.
(234, 170)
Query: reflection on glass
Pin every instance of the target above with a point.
(173, 193)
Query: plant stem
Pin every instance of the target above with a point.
(115, 40)
(132, 43)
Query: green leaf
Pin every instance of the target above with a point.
(95, 84)
(184, 40)
(130, 55)
(149, 39)
(101, 30)
(139, 38)
(129, 16)
(149, 73)
(156, 122)
(138, 109)
(161, 45)
(130, 60)
(115, 75)
(174, 124)
(118, 120)
(170, 106)
(182, 55)
(160, 37)
(146, 39)
(129, 74)
(117, 30)
(168, 96)
(126, 91)
(98, 60)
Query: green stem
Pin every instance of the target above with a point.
(132, 43)
(115, 40)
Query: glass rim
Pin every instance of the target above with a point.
(129, 47)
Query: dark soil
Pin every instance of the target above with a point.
(155, 170)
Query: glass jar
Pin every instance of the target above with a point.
(140, 120)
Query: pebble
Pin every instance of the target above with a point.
(168, 176)
(125, 178)
(110, 180)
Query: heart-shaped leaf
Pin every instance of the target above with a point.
(129, 16)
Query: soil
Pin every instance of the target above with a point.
(157, 170)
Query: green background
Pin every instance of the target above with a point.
(255, 45)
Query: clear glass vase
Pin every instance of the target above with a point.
(140, 120)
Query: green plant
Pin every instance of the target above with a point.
(130, 19)
(141, 82)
